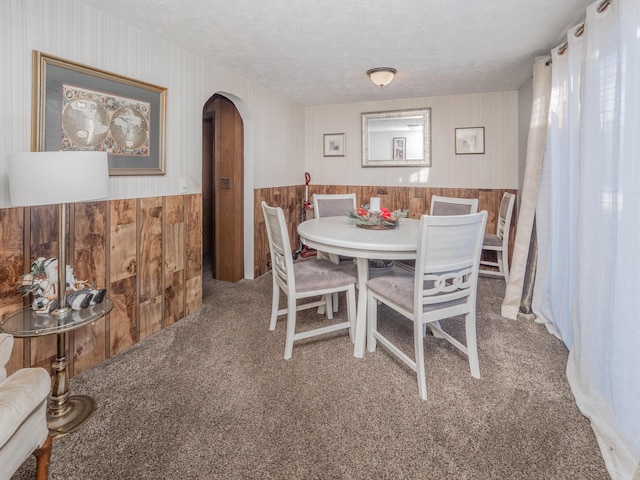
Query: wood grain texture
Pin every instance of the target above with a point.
(131, 233)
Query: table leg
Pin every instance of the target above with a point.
(65, 413)
(361, 313)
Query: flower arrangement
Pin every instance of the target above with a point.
(384, 219)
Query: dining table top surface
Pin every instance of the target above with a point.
(341, 235)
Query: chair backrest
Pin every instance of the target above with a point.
(504, 217)
(453, 206)
(334, 204)
(448, 258)
(279, 246)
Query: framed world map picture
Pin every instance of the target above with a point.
(76, 107)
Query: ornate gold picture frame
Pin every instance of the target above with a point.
(77, 107)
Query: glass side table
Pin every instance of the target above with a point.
(65, 413)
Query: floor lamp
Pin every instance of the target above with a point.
(45, 178)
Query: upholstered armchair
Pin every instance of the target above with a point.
(23, 416)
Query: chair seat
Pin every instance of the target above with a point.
(20, 395)
(320, 274)
(399, 289)
(491, 240)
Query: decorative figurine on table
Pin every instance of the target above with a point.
(42, 283)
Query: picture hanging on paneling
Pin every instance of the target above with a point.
(77, 107)
(469, 141)
(334, 144)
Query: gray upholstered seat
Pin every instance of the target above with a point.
(304, 279)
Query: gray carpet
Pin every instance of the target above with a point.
(211, 398)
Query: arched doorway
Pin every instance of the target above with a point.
(222, 189)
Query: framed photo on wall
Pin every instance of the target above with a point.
(469, 140)
(76, 107)
(334, 145)
(399, 148)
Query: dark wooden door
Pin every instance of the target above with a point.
(223, 183)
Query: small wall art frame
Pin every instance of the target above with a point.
(334, 144)
(399, 146)
(77, 107)
(469, 141)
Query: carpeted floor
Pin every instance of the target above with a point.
(211, 398)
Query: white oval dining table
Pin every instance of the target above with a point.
(340, 236)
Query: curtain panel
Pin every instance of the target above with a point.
(586, 209)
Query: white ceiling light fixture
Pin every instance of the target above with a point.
(382, 76)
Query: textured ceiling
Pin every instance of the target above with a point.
(317, 51)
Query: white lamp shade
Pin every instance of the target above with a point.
(45, 178)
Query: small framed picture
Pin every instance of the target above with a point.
(334, 144)
(470, 141)
(399, 144)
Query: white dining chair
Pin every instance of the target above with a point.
(443, 285)
(302, 280)
(445, 206)
(333, 205)
(499, 242)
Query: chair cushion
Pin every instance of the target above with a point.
(21, 394)
(399, 289)
(492, 240)
(320, 274)
(446, 208)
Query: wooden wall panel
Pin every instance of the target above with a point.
(90, 263)
(123, 319)
(153, 269)
(150, 265)
(416, 199)
(11, 267)
(193, 253)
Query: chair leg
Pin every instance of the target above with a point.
(504, 268)
(418, 345)
(43, 455)
(275, 301)
(372, 322)
(329, 302)
(351, 313)
(335, 301)
(472, 344)
(291, 327)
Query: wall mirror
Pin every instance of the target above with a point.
(400, 138)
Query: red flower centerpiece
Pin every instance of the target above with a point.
(376, 220)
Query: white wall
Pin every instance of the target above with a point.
(274, 125)
(497, 168)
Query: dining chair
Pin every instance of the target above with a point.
(499, 242)
(452, 206)
(302, 280)
(333, 205)
(23, 416)
(443, 285)
(445, 206)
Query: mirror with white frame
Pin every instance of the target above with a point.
(399, 138)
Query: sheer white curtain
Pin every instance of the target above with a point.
(587, 284)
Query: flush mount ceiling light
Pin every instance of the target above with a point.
(382, 75)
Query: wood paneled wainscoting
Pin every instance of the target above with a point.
(416, 199)
(147, 252)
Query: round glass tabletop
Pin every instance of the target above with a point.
(27, 323)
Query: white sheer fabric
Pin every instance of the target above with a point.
(557, 210)
(527, 210)
(588, 224)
